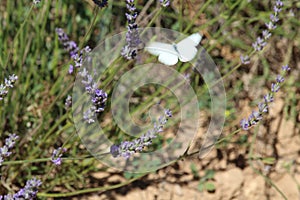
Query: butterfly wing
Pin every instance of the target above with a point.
(187, 47)
(168, 58)
(166, 52)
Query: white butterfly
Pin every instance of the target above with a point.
(168, 54)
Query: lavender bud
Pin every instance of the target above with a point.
(279, 79)
(57, 154)
(245, 124)
(275, 87)
(286, 68)
(164, 3)
(245, 59)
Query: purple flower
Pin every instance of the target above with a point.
(68, 102)
(279, 3)
(275, 87)
(271, 26)
(9, 144)
(164, 3)
(98, 97)
(277, 9)
(127, 148)
(286, 68)
(29, 191)
(279, 79)
(100, 3)
(129, 51)
(266, 34)
(256, 116)
(71, 46)
(269, 98)
(8, 83)
(245, 59)
(274, 18)
(262, 107)
(259, 44)
(245, 124)
(89, 116)
(57, 154)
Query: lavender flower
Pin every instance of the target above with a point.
(128, 148)
(271, 25)
(8, 83)
(164, 3)
(9, 144)
(286, 68)
(275, 87)
(269, 98)
(68, 102)
(259, 44)
(98, 97)
(57, 154)
(100, 3)
(28, 192)
(263, 107)
(129, 51)
(89, 116)
(71, 46)
(266, 34)
(245, 59)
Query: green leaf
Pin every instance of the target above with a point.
(210, 187)
(200, 186)
(209, 174)
(194, 170)
(269, 160)
(128, 175)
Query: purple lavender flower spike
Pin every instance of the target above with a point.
(8, 83)
(263, 107)
(129, 51)
(9, 144)
(57, 154)
(98, 97)
(29, 191)
(127, 148)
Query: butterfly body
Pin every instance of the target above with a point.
(168, 54)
